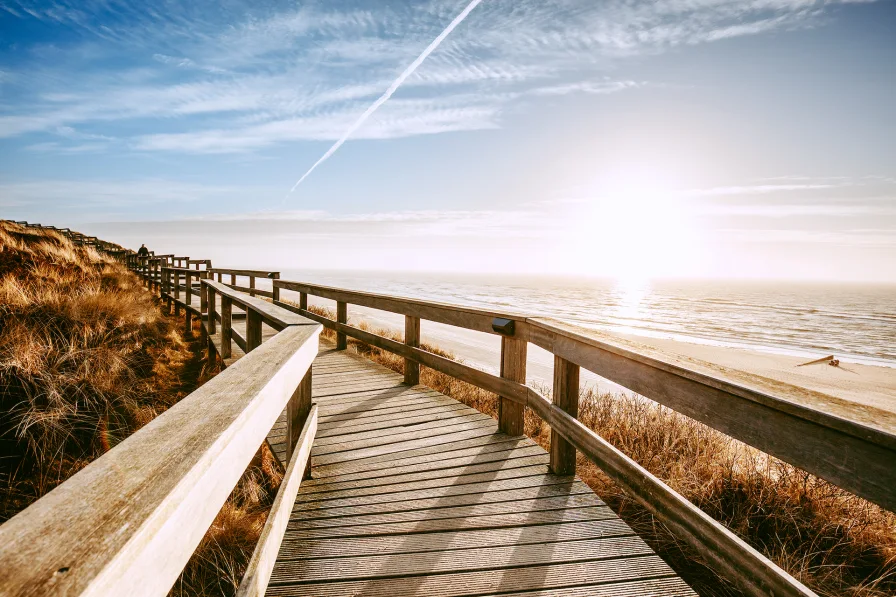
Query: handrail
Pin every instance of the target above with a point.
(128, 522)
(252, 274)
(471, 318)
(271, 314)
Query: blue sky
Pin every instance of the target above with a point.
(682, 138)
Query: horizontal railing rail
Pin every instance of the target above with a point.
(471, 318)
(252, 274)
(257, 312)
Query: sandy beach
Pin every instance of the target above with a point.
(866, 385)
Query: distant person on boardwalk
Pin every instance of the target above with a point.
(142, 251)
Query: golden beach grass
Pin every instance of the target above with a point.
(87, 357)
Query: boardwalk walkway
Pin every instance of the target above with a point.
(414, 493)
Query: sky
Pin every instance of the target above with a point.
(636, 140)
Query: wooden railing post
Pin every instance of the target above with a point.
(203, 305)
(297, 410)
(252, 285)
(226, 323)
(411, 338)
(513, 367)
(341, 317)
(253, 329)
(303, 300)
(188, 315)
(203, 293)
(212, 323)
(566, 397)
(168, 289)
(176, 292)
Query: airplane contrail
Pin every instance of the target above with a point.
(392, 88)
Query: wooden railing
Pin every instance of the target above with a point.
(769, 416)
(779, 419)
(128, 522)
(252, 274)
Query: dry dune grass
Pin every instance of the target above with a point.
(222, 556)
(87, 357)
(834, 542)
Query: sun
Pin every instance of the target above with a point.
(637, 229)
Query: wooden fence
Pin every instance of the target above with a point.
(857, 456)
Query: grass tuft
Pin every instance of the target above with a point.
(87, 357)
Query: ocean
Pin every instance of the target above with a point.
(855, 322)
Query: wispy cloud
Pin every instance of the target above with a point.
(246, 76)
(837, 210)
(760, 189)
(47, 196)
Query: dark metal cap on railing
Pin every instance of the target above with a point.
(503, 326)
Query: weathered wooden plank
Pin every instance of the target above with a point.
(401, 441)
(654, 587)
(342, 420)
(600, 572)
(569, 497)
(477, 489)
(400, 421)
(332, 484)
(457, 483)
(426, 523)
(405, 427)
(428, 542)
(433, 462)
(429, 445)
(412, 502)
(354, 387)
(475, 559)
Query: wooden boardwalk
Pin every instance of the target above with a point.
(414, 493)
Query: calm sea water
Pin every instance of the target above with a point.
(855, 322)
